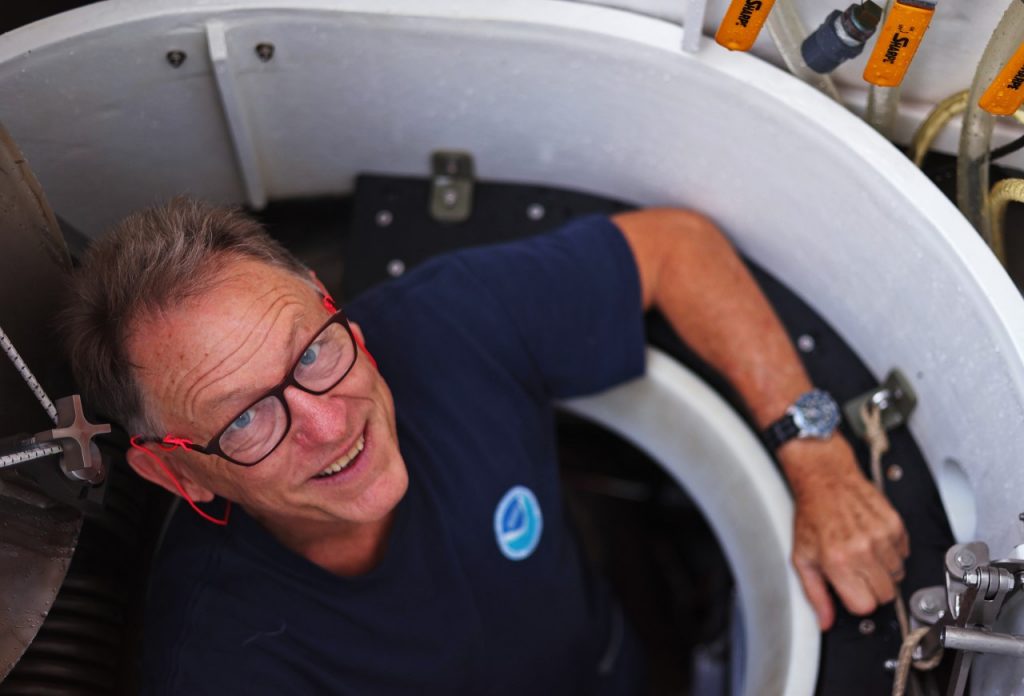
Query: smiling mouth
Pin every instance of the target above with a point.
(345, 459)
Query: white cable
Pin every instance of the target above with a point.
(27, 455)
(27, 375)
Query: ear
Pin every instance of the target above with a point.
(148, 466)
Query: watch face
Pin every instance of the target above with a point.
(816, 414)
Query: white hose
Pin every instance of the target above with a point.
(788, 32)
(883, 102)
(972, 181)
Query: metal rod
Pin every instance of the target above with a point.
(982, 641)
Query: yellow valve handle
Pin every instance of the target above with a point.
(1006, 93)
(897, 43)
(742, 23)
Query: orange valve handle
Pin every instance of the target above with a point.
(1006, 93)
(897, 42)
(742, 23)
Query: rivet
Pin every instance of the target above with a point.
(449, 198)
(265, 51)
(866, 627)
(384, 218)
(396, 267)
(894, 473)
(805, 343)
(535, 212)
(176, 58)
(890, 665)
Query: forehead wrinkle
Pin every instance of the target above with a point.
(192, 396)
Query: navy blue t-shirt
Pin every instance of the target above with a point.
(483, 588)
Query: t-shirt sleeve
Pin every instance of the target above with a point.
(573, 297)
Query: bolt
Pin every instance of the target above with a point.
(965, 558)
(972, 578)
(396, 267)
(805, 343)
(894, 473)
(891, 665)
(265, 51)
(176, 58)
(535, 211)
(928, 605)
(384, 218)
(449, 198)
(866, 627)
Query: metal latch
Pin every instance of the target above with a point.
(451, 187)
(895, 399)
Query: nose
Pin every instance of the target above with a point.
(316, 419)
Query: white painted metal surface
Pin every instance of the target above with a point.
(554, 93)
(697, 437)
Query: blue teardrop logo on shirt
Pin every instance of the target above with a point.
(518, 523)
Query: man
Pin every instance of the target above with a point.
(412, 538)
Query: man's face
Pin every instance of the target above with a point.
(201, 364)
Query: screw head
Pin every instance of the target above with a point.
(894, 473)
(176, 58)
(265, 51)
(449, 198)
(866, 627)
(890, 665)
(805, 343)
(396, 267)
(965, 558)
(535, 212)
(384, 218)
(928, 604)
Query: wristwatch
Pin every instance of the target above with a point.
(813, 415)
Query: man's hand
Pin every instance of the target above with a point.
(845, 531)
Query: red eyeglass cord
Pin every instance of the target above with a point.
(184, 444)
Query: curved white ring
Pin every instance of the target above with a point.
(695, 435)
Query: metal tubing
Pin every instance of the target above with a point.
(972, 640)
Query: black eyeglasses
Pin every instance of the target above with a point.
(254, 433)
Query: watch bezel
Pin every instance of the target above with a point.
(819, 426)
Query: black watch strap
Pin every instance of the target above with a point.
(780, 432)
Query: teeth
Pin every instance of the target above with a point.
(345, 459)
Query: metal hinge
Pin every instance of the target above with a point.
(894, 397)
(451, 187)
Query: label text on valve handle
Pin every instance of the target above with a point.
(1006, 93)
(742, 23)
(897, 43)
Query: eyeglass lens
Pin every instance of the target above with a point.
(262, 426)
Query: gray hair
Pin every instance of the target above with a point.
(148, 263)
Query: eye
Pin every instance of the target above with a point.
(309, 357)
(243, 420)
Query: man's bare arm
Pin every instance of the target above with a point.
(845, 531)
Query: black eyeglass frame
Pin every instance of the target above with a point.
(213, 446)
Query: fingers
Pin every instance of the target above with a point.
(817, 593)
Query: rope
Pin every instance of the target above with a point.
(27, 455)
(26, 374)
(878, 443)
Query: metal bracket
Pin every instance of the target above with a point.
(80, 459)
(895, 397)
(451, 186)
